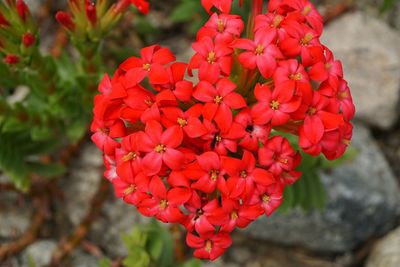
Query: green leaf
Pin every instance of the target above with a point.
(41, 133)
(105, 262)
(137, 258)
(192, 263)
(184, 11)
(46, 170)
(386, 5)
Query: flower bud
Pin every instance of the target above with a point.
(121, 6)
(28, 39)
(3, 21)
(91, 12)
(65, 20)
(22, 9)
(11, 59)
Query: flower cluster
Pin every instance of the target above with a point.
(18, 34)
(209, 154)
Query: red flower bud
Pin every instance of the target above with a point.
(3, 21)
(91, 12)
(11, 59)
(28, 39)
(121, 6)
(65, 20)
(22, 9)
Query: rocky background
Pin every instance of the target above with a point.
(361, 223)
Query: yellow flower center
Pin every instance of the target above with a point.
(311, 111)
(212, 57)
(307, 9)
(306, 39)
(129, 190)
(208, 246)
(266, 198)
(274, 105)
(234, 215)
(129, 156)
(160, 148)
(218, 99)
(163, 204)
(295, 76)
(146, 66)
(182, 122)
(243, 174)
(220, 25)
(214, 175)
(259, 50)
(277, 21)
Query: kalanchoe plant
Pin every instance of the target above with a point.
(217, 154)
(52, 108)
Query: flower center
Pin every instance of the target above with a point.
(146, 66)
(259, 50)
(306, 39)
(311, 111)
(274, 105)
(212, 57)
(234, 215)
(346, 142)
(129, 156)
(208, 246)
(163, 204)
(307, 9)
(148, 102)
(129, 190)
(295, 76)
(218, 99)
(182, 122)
(265, 198)
(220, 26)
(342, 95)
(243, 174)
(160, 149)
(277, 21)
(214, 175)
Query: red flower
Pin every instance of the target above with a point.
(142, 5)
(253, 132)
(65, 20)
(207, 171)
(11, 59)
(28, 39)
(91, 11)
(245, 170)
(219, 101)
(151, 63)
(128, 157)
(223, 27)
(132, 189)
(277, 155)
(164, 205)
(269, 198)
(210, 245)
(22, 9)
(160, 147)
(241, 215)
(261, 53)
(275, 106)
(189, 120)
(222, 5)
(204, 216)
(104, 135)
(211, 59)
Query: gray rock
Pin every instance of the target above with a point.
(386, 252)
(14, 218)
(81, 259)
(39, 253)
(370, 55)
(82, 183)
(117, 218)
(363, 199)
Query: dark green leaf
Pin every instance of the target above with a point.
(46, 170)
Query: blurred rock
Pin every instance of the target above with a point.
(386, 252)
(116, 219)
(81, 259)
(39, 253)
(15, 216)
(370, 52)
(363, 199)
(82, 183)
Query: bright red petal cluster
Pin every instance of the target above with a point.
(202, 155)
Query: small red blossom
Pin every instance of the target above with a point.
(28, 39)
